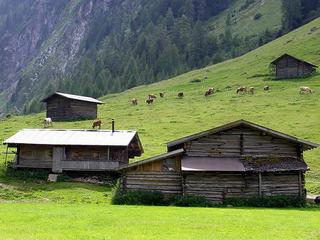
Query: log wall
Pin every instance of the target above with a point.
(289, 67)
(35, 156)
(219, 186)
(60, 108)
(238, 142)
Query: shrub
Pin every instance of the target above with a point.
(257, 16)
(127, 197)
(25, 174)
(190, 201)
(280, 201)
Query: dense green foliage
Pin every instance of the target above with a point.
(279, 201)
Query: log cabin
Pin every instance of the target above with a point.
(63, 106)
(239, 159)
(289, 66)
(74, 150)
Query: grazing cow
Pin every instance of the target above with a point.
(134, 101)
(48, 122)
(180, 94)
(242, 89)
(305, 89)
(161, 94)
(251, 89)
(150, 100)
(96, 123)
(152, 96)
(266, 88)
(209, 92)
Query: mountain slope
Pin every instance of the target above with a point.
(282, 108)
(103, 46)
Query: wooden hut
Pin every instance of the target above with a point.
(74, 150)
(63, 106)
(289, 66)
(240, 159)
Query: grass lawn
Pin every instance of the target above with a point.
(91, 221)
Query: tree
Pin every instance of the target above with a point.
(291, 14)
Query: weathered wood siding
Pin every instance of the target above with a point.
(60, 108)
(162, 175)
(219, 186)
(290, 67)
(35, 156)
(238, 142)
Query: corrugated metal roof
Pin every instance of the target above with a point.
(75, 97)
(211, 164)
(71, 137)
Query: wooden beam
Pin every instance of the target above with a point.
(241, 144)
(260, 183)
(300, 184)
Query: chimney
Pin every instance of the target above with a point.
(112, 125)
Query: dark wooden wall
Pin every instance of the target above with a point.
(163, 175)
(219, 186)
(35, 156)
(290, 67)
(238, 142)
(60, 108)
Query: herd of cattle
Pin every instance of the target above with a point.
(97, 123)
(210, 91)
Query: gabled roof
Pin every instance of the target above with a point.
(305, 144)
(297, 59)
(72, 137)
(74, 97)
(152, 159)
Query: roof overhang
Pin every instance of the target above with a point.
(297, 59)
(306, 145)
(212, 164)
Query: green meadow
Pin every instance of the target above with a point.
(67, 210)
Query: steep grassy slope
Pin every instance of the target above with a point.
(282, 108)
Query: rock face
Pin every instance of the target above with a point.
(43, 37)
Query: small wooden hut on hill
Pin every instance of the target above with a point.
(74, 150)
(289, 66)
(63, 106)
(240, 159)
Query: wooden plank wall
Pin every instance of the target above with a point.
(168, 182)
(238, 142)
(219, 186)
(35, 156)
(289, 67)
(60, 108)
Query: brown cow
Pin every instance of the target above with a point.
(161, 94)
(242, 89)
(266, 88)
(152, 96)
(211, 90)
(48, 122)
(150, 100)
(134, 101)
(251, 89)
(305, 89)
(180, 94)
(96, 123)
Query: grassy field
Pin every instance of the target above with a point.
(90, 221)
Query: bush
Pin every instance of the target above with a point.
(280, 201)
(190, 201)
(25, 174)
(257, 16)
(127, 197)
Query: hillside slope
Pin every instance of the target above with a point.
(103, 46)
(282, 108)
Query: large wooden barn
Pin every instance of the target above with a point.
(289, 66)
(63, 106)
(74, 150)
(240, 159)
